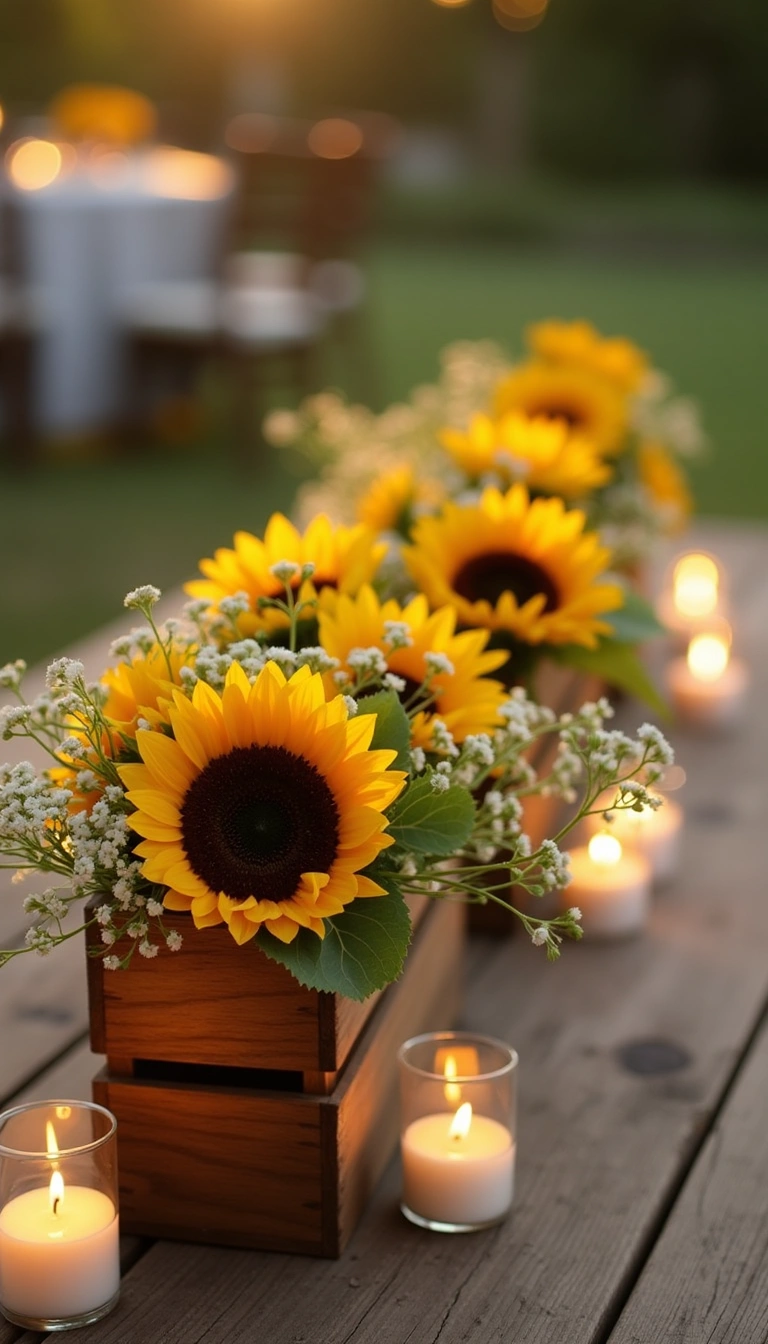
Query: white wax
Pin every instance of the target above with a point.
(710, 704)
(614, 898)
(54, 1266)
(653, 833)
(468, 1180)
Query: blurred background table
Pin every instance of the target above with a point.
(113, 221)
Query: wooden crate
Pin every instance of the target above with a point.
(248, 1012)
(225, 1154)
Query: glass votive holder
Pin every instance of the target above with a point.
(59, 1240)
(457, 1130)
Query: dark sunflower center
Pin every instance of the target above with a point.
(486, 577)
(572, 417)
(254, 820)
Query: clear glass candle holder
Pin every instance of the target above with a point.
(457, 1133)
(59, 1240)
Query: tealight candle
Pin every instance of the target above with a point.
(611, 888)
(458, 1159)
(653, 832)
(708, 687)
(59, 1241)
(694, 595)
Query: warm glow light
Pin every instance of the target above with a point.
(461, 1122)
(604, 848)
(451, 4)
(335, 138)
(2, 117)
(519, 16)
(452, 1091)
(33, 164)
(186, 175)
(708, 656)
(252, 132)
(56, 1192)
(696, 585)
(51, 1142)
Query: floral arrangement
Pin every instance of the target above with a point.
(297, 757)
(571, 461)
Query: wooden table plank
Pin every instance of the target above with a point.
(603, 1149)
(707, 1279)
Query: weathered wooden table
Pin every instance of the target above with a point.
(641, 1214)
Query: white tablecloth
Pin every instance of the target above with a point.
(85, 241)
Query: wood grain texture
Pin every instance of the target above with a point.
(42, 1012)
(707, 1279)
(601, 1149)
(269, 1169)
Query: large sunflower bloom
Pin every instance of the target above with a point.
(344, 557)
(264, 806)
(516, 565)
(587, 403)
(579, 343)
(394, 499)
(541, 453)
(465, 699)
(665, 484)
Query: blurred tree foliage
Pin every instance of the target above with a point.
(605, 87)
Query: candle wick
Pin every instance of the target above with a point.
(56, 1205)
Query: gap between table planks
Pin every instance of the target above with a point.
(603, 1151)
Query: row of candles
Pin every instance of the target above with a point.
(59, 1253)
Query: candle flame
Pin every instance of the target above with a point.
(33, 164)
(604, 848)
(696, 585)
(461, 1122)
(708, 656)
(56, 1192)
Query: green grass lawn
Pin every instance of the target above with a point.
(74, 536)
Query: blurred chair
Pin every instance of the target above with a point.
(20, 322)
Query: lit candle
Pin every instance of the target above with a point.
(458, 1171)
(59, 1239)
(653, 832)
(457, 1138)
(694, 595)
(611, 888)
(708, 687)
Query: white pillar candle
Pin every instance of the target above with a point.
(458, 1176)
(610, 888)
(653, 832)
(708, 687)
(58, 1258)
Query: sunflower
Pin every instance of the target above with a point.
(587, 403)
(466, 700)
(666, 485)
(516, 565)
(344, 557)
(392, 500)
(542, 453)
(264, 806)
(139, 689)
(578, 343)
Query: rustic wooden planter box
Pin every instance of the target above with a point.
(252, 1112)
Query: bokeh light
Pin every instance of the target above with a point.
(33, 164)
(335, 138)
(519, 16)
(186, 175)
(252, 132)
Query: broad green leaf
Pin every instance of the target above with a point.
(427, 822)
(620, 665)
(635, 622)
(363, 949)
(393, 731)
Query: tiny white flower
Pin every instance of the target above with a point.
(575, 913)
(173, 940)
(285, 570)
(111, 963)
(144, 596)
(540, 936)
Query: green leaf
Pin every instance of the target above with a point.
(393, 730)
(620, 665)
(424, 821)
(635, 622)
(363, 950)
